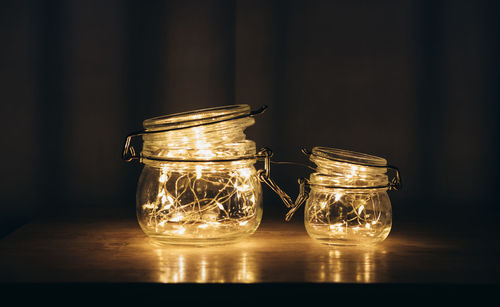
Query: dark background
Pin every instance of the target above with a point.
(414, 81)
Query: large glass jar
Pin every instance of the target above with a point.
(199, 185)
(347, 203)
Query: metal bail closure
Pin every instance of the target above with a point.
(303, 196)
(129, 153)
(304, 184)
(395, 183)
(264, 176)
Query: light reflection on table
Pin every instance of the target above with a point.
(118, 251)
(266, 256)
(206, 265)
(347, 264)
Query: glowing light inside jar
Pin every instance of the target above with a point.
(199, 183)
(346, 215)
(231, 205)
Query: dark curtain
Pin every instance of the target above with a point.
(413, 81)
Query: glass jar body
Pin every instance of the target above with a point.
(199, 203)
(348, 217)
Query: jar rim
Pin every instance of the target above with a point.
(347, 156)
(195, 118)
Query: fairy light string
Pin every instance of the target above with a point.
(199, 183)
(348, 203)
(199, 201)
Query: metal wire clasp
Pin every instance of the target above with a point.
(264, 176)
(301, 198)
(129, 153)
(393, 185)
(304, 185)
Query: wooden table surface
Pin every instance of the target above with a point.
(107, 248)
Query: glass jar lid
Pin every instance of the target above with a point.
(201, 135)
(344, 168)
(197, 118)
(342, 155)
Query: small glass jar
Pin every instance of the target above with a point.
(199, 185)
(348, 202)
